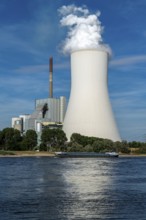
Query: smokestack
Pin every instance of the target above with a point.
(51, 77)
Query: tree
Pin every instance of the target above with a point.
(47, 138)
(60, 137)
(29, 140)
(98, 146)
(53, 138)
(85, 140)
(135, 144)
(77, 138)
(80, 139)
(10, 139)
(125, 147)
(88, 148)
(1, 139)
(117, 146)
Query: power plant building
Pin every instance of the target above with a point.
(53, 115)
(17, 123)
(48, 112)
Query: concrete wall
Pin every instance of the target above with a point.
(89, 110)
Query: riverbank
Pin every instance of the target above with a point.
(26, 154)
(48, 154)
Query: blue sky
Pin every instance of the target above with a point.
(30, 33)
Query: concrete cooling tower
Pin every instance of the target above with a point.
(89, 110)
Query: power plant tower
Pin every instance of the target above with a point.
(89, 110)
(51, 77)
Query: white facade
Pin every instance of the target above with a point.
(38, 127)
(24, 118)
(89, 110)
(62, 108)
(17, 123)
(14, 119)
(55, 115)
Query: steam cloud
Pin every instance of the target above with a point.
(85, 29)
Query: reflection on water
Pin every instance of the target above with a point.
(54, 188)
(87, 181)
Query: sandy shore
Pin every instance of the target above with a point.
(132, 155)
(29, 154)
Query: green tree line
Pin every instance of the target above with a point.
(11, 139)
(55, 140)
(51, 140)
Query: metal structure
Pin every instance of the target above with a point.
(48, 112)
(51, 77)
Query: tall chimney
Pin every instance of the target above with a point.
(51, 77)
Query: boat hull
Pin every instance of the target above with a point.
(84, 154)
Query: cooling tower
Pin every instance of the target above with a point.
(89, 110)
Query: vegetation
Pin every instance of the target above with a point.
(29, 141)
(11, 139)
(3, 152)
(55, 140)
(92, 144)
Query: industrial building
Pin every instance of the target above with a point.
(48, 112)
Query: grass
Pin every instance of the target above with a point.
(25, 153)
(3, 152)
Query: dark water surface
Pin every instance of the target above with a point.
(52, 188)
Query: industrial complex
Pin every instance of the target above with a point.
(89, 110)
(48, 112)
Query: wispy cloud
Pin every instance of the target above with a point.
(44, 68)
(32, 69)
(128, 60)
(33, 37)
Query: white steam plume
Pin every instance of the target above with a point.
(85, 29)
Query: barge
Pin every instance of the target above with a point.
(85, 154)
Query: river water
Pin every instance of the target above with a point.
(43, 188)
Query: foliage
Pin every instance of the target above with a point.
(141, 150)
(53, 139)
(43, 147)
(29, 140)
(97, 144)
(75, 147)
(10, 139)
(133, 144)
(88, 148)
(3, 152)
(83, 140)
